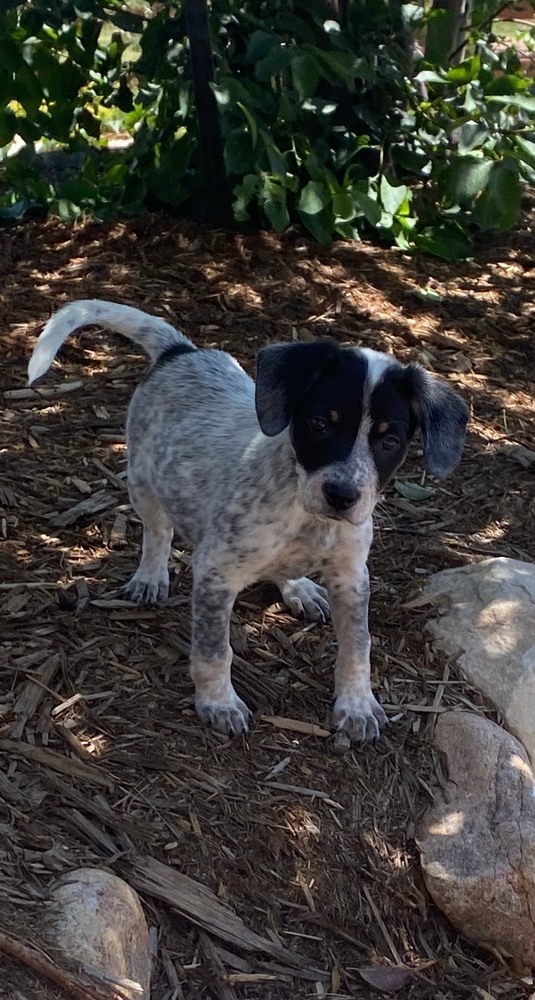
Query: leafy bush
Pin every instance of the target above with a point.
(331, 125)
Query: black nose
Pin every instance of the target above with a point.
(340, 496)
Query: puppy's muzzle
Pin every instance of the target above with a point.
(341, 496)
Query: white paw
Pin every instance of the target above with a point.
(306, 599)
(230, 715)
(144, 589)
(361, 717)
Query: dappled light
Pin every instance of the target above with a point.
(314, 848)
(450, 825)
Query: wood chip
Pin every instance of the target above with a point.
(94, 504)
(58, 762)
(32, 694)
(200, 905)
(48, 392)
(312, 793)
(296, 726)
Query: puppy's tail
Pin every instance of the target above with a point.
(152, 334)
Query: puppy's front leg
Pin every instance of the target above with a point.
(356, 710)
(211, 655)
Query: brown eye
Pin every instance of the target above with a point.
(318, 425)
(390, 442)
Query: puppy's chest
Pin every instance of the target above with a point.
(295, 554)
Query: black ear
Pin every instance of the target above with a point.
(284, 372)
(442, 416)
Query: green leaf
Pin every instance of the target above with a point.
(86, 121)
(392, 196)
(305, 76)
(126, 21)
(277, 163)
(171, 164)
(446, 241)
(513, 100)
(526, 150)
(467, 71)
(412, 491)
(15, 211)
(527, 173)
(438, 36)
(466, 178)
(343, 207)
(243, 194)
(276, 61)
(253, 127)
(430, 76)
(321, 225)
(78, 191)
(6, 84)
(335, 67)
(60, 80)
(231, 93)
(472, 135)
(498, 208)
(8, 126)
(314, 197)
(509, 83)
(238, 152)
(27, 89)
(369, 208)
(67, 210)
(347, 230)
(10, 54)
(319, 106)
(259, 45)
(277, 213)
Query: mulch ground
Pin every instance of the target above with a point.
(103, 760)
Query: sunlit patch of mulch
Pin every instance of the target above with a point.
(103, 760)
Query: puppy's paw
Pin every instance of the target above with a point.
(306, 599)
(144, 589)
(361, 717)
(230, 715)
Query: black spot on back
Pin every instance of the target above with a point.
(173, 352)
(168, 356)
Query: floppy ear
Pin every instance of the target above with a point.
(442, 416)
(284, 372)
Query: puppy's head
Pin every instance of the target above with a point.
(352, 414)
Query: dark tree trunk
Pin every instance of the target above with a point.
(202, 63)
(448, 31)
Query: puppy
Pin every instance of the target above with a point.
(269, 483)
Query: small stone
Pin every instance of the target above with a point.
(488, 623)
(96, 920)
(477, 842)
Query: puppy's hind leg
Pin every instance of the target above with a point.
(150, 583)
(211, 655)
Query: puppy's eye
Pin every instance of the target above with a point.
(390, 442)
(318, 425)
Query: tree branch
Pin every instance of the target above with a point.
(35, 959)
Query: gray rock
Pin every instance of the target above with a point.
(477, 842)
(96, 920)
(488, 622)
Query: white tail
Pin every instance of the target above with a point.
(152, 334)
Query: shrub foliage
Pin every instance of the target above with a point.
(327, 119)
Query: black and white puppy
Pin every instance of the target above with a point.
(269, 486)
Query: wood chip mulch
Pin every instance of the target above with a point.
(102, 760)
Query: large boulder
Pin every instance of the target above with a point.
(96, 921)
(487, 620)
(477, 842)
